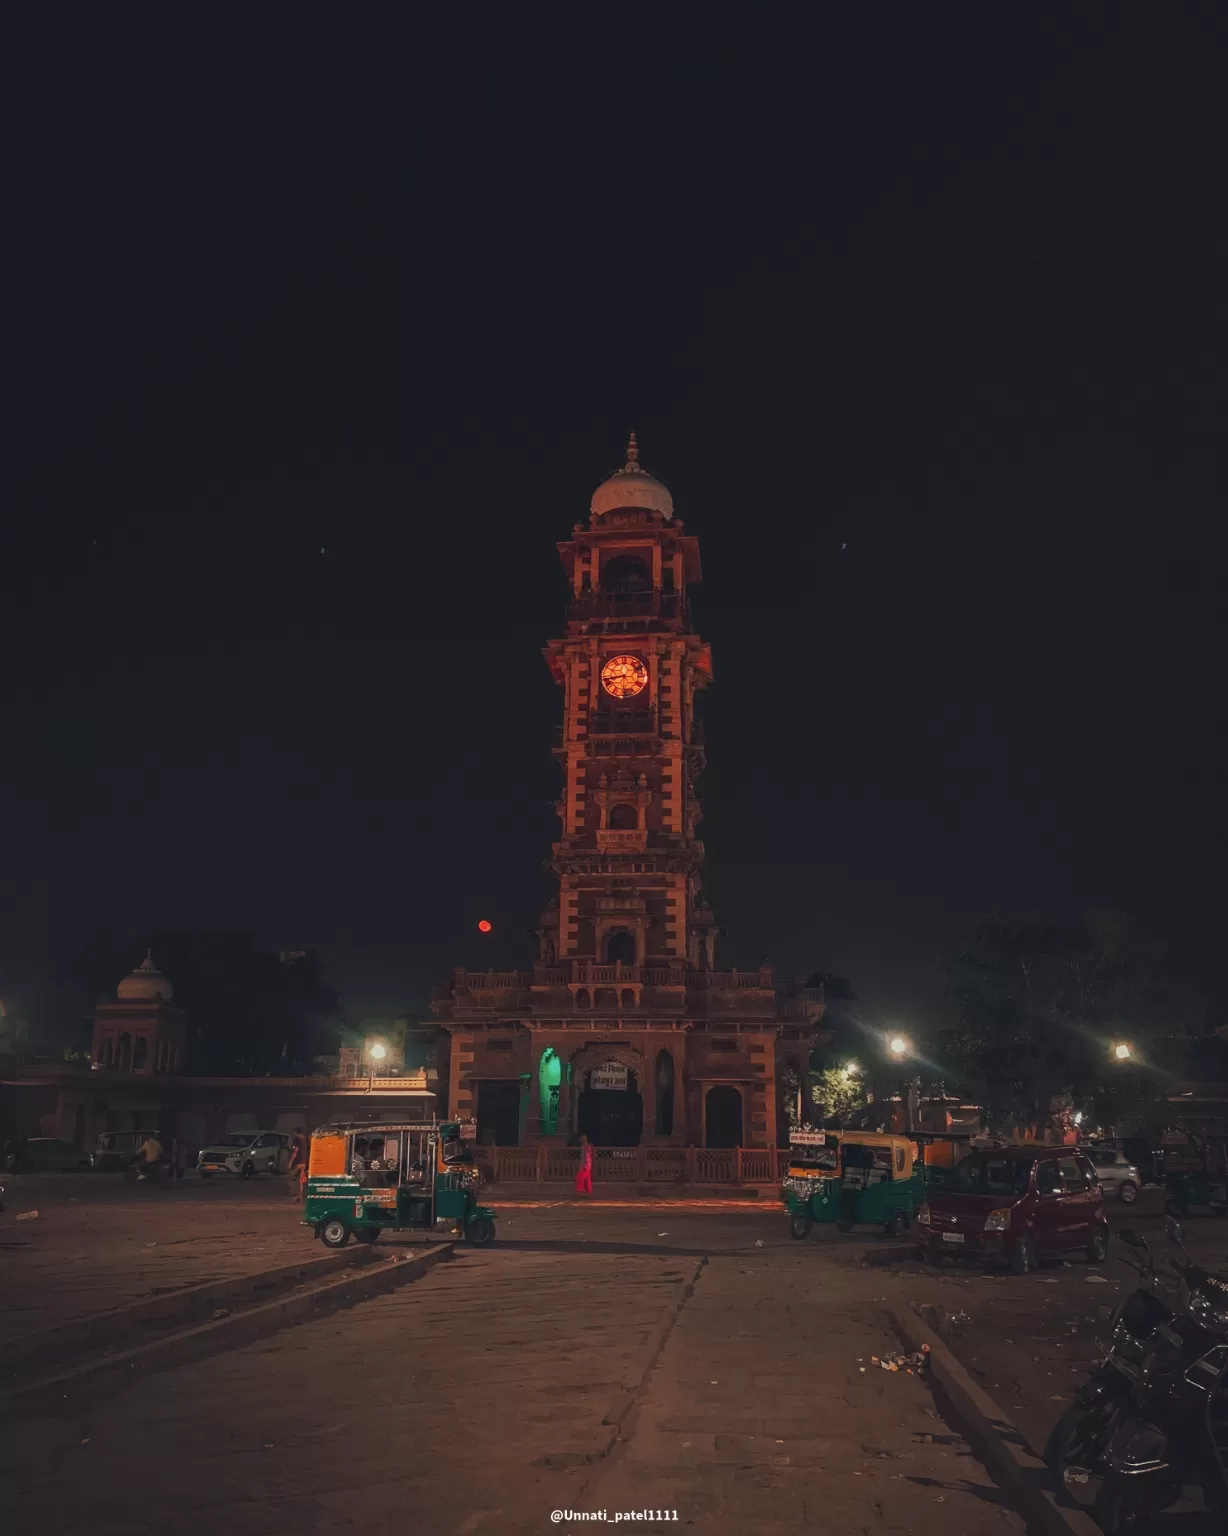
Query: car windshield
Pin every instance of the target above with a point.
(992, 1175)
(239, 1139)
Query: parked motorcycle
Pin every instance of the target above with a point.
(1077, 1443)
(1175, 1432)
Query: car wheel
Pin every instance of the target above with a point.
(799, 1227)
(84, 1165)
(1128, 1193)
(1098, 1246)
(249, 1170)
(897, 1224)
(481, 1233)
(1023, 1256)
(334, 1233)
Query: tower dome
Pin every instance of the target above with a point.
(632, 486)
(146, 984)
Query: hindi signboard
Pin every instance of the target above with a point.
(608, 1077)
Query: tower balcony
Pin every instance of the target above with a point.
(611, 607)
(632, 840)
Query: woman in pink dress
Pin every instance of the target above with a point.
(584, 1175)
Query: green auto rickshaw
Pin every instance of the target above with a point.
(850, 1179)
(367, 1178)
(1196, 1174)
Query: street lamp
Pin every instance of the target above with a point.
(1122, 1052)
(851, 1070)
(898, 1046)
(376, 1051)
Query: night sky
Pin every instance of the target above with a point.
(320, 339)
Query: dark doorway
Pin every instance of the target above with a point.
(624, 817)
(724, 1117)
(612, 1117)
(499, 1114)
(620, 946)
(665, 1094)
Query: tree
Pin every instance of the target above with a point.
(1040, 1008)
(836, 1094)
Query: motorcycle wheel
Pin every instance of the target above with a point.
(799, 1227)
(1124, 1505)
(1079, 1437)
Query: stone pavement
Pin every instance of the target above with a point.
(484, 1396)
(764, 1413)
(97, 1243)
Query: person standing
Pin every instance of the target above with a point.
(584, 1174)
(298, 1164)
(149, 1158)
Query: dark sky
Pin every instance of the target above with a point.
(321, 337)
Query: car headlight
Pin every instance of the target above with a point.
(998, 1221)
(923, 1216)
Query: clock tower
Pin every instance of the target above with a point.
(630, 666)
(624, 1029)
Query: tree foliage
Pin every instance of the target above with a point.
(1040, 1008)
(836, 1095)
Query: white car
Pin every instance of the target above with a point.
(246, 1153)
(1117, 1174)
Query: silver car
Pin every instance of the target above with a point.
(1117, 1174)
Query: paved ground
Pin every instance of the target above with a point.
(488, 1394)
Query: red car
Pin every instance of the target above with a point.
(1016, 1206)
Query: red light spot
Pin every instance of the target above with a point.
(483, 926)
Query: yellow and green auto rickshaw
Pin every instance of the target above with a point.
(852, 1178)
(368, 1178)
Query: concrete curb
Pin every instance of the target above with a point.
(232, 1332)
(98, 1329)
(997, 1441)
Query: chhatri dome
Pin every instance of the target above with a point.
(632, 487)
(146, 984)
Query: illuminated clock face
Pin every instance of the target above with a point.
(623, 677)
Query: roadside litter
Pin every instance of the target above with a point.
(26, 1216)
(915, 1364)
(1096, 1280)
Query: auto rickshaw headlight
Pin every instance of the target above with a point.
(998, 1221)
(923, 1216)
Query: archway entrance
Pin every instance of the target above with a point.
(723, 1117)
(610, 1111)
(498, 1114)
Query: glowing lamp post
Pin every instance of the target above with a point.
(376, 1051)
(899, 1047)
(1122, 1052)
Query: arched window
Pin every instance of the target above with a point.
(628, 998)
(139, 1053)
(625, 573)
(124, 1055)
(620, 946)
(582, 998)
(665, 1093)
(624, 817)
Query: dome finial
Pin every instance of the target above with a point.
(633, 451)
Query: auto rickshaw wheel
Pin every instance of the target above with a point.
(481, 1233)
(897, 1224)
(366, 1234)
(333, 1232)
(799, 1227)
